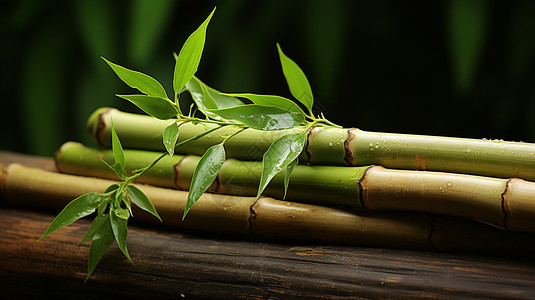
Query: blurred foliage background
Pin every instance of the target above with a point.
(452, 68)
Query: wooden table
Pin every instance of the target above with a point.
(176, 265)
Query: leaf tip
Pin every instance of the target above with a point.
(185, 213)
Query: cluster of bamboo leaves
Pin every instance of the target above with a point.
(265, 112)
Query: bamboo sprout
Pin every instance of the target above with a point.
(332, 146)
(274, 219)
(507, 203)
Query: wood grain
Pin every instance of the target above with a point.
(169, 265)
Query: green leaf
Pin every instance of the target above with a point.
(121, 212)
(262, 117)
(205, 173)
(157, 107)
(112, 188)
(102, 240)
(287, 174)
(118, 169)
(269, 100)
(120, 229)
(95, 227)
(128, 208)
(144, 83)
(190, 56)
(279, 155)
(206, 97)
(142, 201)
(76, 209)
(116, 146)
(296, 79)
(118, 153)
(170, 136)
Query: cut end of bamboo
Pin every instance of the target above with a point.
(96, 123)
(3, 174)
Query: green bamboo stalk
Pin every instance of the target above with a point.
(508, 203)
(274, 219)
(235, 178)
(333, 146)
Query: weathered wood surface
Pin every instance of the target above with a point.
(173, 265)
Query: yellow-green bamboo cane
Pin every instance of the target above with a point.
(508, 203)
(274, 219)
(333, 146)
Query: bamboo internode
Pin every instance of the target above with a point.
(508, 203)
(274, 219)
(333, 146)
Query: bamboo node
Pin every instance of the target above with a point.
(252, 217)
(506, 209)
(349, 155)
(363, 189)
(310, 135)
(176, 167)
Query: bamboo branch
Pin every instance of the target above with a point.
(501, 202)
(274, 219)
(332, 146)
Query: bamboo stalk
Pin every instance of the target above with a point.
(507, 203)
(335, 146)
(274, 219)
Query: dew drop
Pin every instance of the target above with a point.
(371, 144)
(467, 150)
(330, 144)
(449, 184)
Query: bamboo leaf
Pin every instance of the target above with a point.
(190, 56)
(157, 107)
(262, 117)
(279, 155)
(144, 83)
(170, 136)
(142, 201)
(287, 174)
(76, 209)
(128, 212)
(120, 229)
(206, 97)
(121, 212)
(269, 100)
(205, 173)
(117, 169)
(117, 148)
(95, 227)
(297, 80)
(102, 240)
(118, 153)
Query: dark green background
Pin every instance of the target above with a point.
(453, 68)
